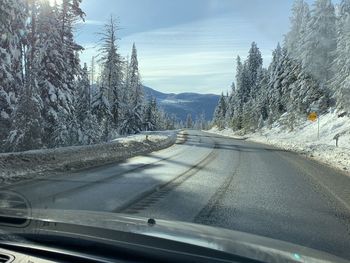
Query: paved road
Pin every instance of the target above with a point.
(218, 181)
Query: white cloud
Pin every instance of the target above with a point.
(198, 56)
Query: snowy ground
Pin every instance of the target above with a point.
(38, 162)
(304, 139)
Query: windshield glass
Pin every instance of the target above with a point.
(223, 113)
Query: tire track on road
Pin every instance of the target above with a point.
(203, 217)
(155, 194)
(113, 177)
(16, 181)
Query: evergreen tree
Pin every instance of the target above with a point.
(284, 93)
(26, 129)
(299, 20)
(91, 132)
(150, 115)
(189, 121)
(102, 110)
(83, 102)
(248, 88)
(319, 42)
(26, 126)
(57, 96)
(220, 113)
(112, 70)
(341, 66)
(136, 99)
(69, 14)
(12, 30)
(237, 100)
(262, 97)
(253, 69)
(230, 106)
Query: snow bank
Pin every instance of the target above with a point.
(304, 139)
(36, 162)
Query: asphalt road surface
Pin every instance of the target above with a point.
(214, 180)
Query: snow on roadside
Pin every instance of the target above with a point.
(29, 164)
(304, 140)
(152, 136)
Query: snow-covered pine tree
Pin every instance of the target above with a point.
(219, 113)
(189, 121)
(292, 91)
(69, 13)
(298, 20)
(202, 122)
(102, 110)
(277, 71)
(310, 94)
(230, 106)
(150, 115)
(12, 27)
(341, 81)
(249, 80)
(125, 115)
(275, 64)
(261, 122)
(239, 71)
(92, 132)
(262, 101)
(250, 116)
(89, 129)
(164, 121)
(125, 98)
(236, 120)
(56, 93)
(26, 127)
(112, 70)
(319, 41)
(254, 67)
(136, 98)
(256, 105)
(170, 121)
(83, 101)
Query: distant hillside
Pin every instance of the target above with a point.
(185, 103)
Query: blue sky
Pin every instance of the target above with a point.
(188, 45)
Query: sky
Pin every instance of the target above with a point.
(187, 45)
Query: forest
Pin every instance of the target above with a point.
(46, 98)
(308, 73)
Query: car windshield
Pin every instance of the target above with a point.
(231, 114)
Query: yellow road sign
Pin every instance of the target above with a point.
(312, 116)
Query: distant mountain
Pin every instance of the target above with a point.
(185, 103)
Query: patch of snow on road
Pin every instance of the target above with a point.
(304, 139)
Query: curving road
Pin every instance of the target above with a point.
(215, 180)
